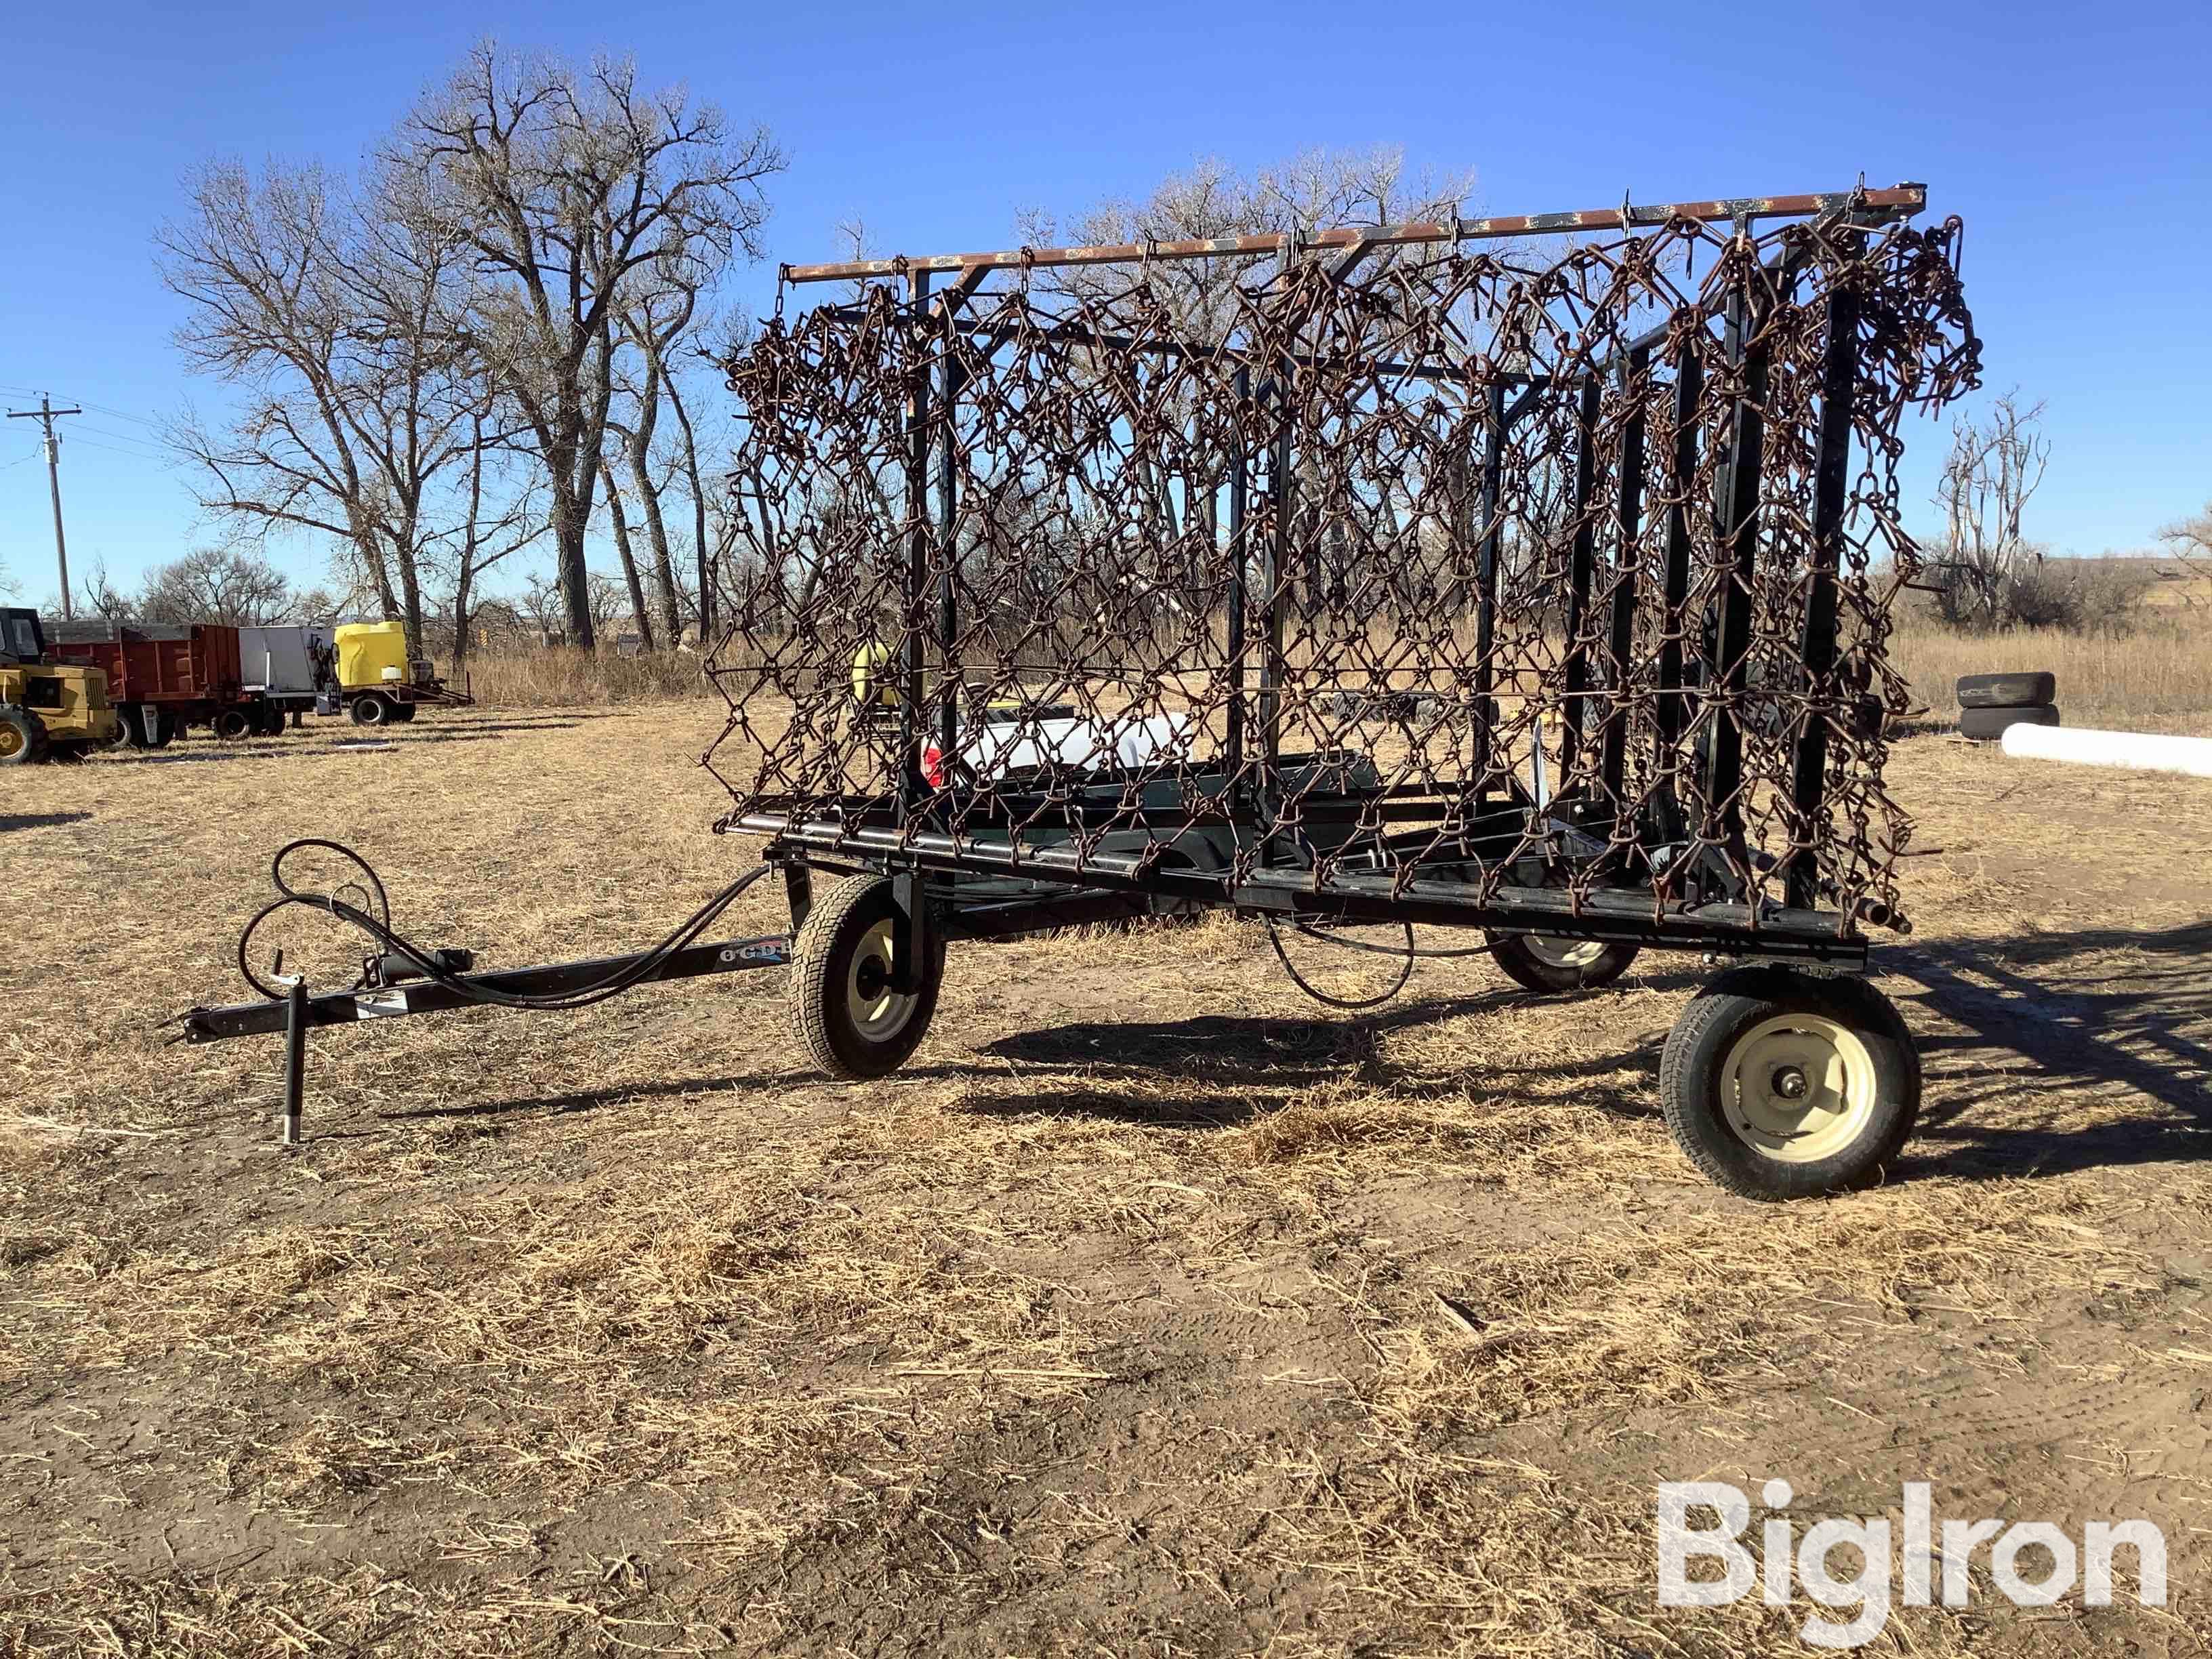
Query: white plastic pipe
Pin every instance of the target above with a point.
(2144, 751)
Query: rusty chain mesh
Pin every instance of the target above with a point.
(1436, 562)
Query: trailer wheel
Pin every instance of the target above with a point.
(403, 712)
(855, 1026)
(268, 721)
(1545, 962)
(371, 709)
(144, 726)
(1779, 1084)
(233, 723)
(22, 737)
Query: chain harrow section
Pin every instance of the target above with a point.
(1544, 563)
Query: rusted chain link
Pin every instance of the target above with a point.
(1333, 565)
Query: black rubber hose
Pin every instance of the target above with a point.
(378, 928)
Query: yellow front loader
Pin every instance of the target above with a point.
(48, 710)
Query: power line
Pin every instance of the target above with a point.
(134, 454)
(148, 444)
(120, 414)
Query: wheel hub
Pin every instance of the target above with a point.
(1564, 952)
(876, 1011)
(1798, 1088)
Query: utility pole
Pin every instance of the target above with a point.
(45, 414)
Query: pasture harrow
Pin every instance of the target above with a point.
(1528, 576)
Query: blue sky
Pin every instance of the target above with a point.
(2075, 140)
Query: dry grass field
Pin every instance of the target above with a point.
(1150, 1311)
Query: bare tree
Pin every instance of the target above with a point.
(609, 604)
(623, 551)
(565, 182)
(1993, 470)
(655, 323)
(495, 520)
(333, 312)
(544, 605)
(98, 595)
(217, 585)
(2189, 543)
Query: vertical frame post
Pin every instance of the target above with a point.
(1581, 571)
(1282, 490)
(948, 599)
(1739, 560)
(913, 597)
(1628, 571)
(1689, 391)
(1485, 599)
(1830, 499)
(1238, 462)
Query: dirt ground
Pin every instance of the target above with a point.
(1150, 1311)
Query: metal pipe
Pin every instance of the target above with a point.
(1903, 200)
(1485, 599)
(917, 558)
(1581, 564)
(1830, 499)
(1239, 462)
(1739, 558)
(948, 604)
(1671, 712)
(1628, 572)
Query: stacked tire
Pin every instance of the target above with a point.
(1988, 703)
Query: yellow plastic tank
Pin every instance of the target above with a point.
(371, 653)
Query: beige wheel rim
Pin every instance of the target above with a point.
(1555, 952)
(11, 741)
(878, 1012)
(1798, 1088)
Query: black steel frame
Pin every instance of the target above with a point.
(900, 845)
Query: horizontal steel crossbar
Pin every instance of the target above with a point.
(1628, 916)
(1904, 199)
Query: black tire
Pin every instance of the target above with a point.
(1987, 725)
(130, 718)
(1544, 963)
(371, 709)
(401, 713)
(2007, 691)
(232, 723)
(852, 1027)
(22, 736)
(269, 720)
(1745, 1130)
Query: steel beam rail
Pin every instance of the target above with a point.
(428, 997)
(1625, 917)
(1907, 198)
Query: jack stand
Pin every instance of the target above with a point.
(296, 1054)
